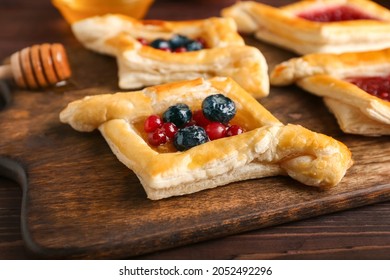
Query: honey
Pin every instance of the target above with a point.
(75, 10)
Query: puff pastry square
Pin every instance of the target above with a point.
(330, 76)
(267, 148)
(226, 53)
(289, 27)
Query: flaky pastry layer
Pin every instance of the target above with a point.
(268, 148)
(357, 111)
(226, 53)
(282, 27)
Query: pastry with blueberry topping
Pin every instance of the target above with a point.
(188, 136)
(153, 52)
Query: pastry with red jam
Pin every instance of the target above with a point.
(355, 86)
(188, 136)
(332, 26)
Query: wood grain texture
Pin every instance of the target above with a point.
(82, 203)
(361, 233)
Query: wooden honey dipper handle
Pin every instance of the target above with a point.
(6, 72)
(38, 66)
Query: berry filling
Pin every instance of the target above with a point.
(177, 44)
(234, 130)
(179, 114)
(169, 129)
(376, 86)
(181, 129)
(216, 130)
(189, 137)
(200, 119)
(333, 14)
(157, 137)
(152, 123)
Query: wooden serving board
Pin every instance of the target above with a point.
(79, 201)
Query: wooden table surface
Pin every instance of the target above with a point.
(361, 233)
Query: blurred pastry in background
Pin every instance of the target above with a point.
(152, 52)
(355, 87)
(331, 26)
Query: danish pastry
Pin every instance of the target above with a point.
(355, 87)
(266, 148)
(140, 64)
(328, 26)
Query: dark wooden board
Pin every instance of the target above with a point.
(79, 201)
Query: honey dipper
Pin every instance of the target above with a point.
(38, 66)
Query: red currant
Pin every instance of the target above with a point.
(200, 119)
(152, 123)
(180, 50)
(234, 130)
(157, 138)
(216, 130)
(165, 49)
(170, 129)
(338, 13)
(384, 95)
(190, 123)
(203, 42)
(143, 41)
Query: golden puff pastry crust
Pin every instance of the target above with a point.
(268, 147)
(284, 28)
(326, 75)
(139, 65)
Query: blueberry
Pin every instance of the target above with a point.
(189, 137)
(160, 44)
(194, 46)
(218, 108)
(178, 41)
(179, 114)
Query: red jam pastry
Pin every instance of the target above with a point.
(311, 26)
(195, 161)
(337, 13)
(377, 86)
(355, 86)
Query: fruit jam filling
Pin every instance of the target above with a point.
(333, 14)
(376, 86)
(177, 44)
(180, 129)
